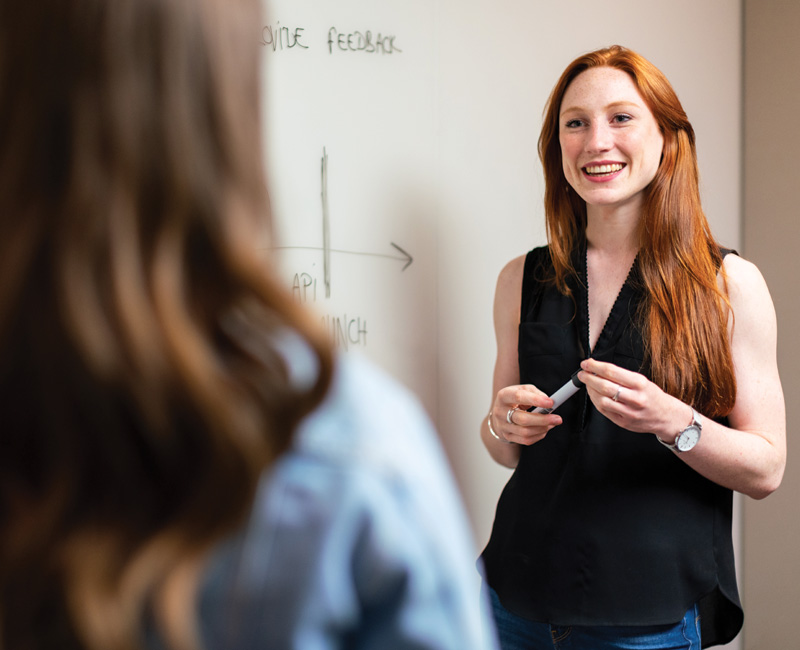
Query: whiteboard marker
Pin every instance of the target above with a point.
(562, 394)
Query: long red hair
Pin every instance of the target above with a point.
(685, 314)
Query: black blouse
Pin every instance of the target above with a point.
(599, 525)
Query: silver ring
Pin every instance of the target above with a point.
(510, 414)
(616, 395)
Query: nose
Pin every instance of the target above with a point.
(599, 138)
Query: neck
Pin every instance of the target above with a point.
(613, 231)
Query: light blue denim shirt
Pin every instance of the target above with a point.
(357, 537)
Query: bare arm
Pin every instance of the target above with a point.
(750, 455)
(506, 391)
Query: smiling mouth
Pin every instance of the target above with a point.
(603, 170)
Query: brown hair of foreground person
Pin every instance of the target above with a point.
(142, 385)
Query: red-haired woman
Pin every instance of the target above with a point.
(615, 528)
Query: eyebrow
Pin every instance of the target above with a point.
(611, 105)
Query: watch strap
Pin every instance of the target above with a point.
(694, 423)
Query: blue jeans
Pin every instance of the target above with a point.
(518, 633)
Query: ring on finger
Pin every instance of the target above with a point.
(510, 414)
(616, 395)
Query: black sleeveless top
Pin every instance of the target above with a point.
(599, 525)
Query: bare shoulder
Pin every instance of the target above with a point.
(754, 322)
(747, 289)
(508, 295)
(509, 282)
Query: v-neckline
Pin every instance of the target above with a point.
(606, 336)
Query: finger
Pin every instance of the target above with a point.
(613, 393)
(598, 384)
(608, 371)
(528, 419)
(606, 395)
(533, 396)
(522, 427)
(529, 435)
(528, 439)
(523, 397)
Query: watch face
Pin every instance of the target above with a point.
(688, 438)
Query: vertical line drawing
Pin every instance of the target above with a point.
(326, 233)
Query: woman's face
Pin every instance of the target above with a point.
(610, 142)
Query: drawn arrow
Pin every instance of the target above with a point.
(326, 234)
(403, 257)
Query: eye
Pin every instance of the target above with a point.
(574, 124)
(621, 118)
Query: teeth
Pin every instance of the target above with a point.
(604, 169)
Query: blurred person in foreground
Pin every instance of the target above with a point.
(184, 464)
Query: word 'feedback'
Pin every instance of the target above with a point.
(280, 37)
(361, 42)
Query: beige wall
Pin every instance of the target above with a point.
(771, 239)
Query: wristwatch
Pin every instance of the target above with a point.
(688, 438)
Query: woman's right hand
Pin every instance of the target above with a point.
(525, 428)
(512, 421)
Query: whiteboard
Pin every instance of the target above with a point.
(350, 107)
(429, 145)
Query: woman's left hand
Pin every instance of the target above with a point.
(748, 453)
(632, 401)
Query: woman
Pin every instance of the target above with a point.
(615, 529)
(182, 463)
